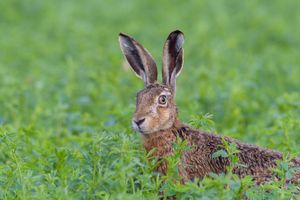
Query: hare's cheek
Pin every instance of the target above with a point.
(164, 115)
(152, 123)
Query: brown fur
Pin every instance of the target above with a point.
(158, 123)
(198, 161)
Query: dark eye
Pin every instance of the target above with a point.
(162, 99)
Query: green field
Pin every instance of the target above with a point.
(66, 97)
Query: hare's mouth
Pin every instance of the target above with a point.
(136, 127)
(141, 128)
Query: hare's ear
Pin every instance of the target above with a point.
(172, 58)
(139, 59)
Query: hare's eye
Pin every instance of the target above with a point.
(162, 99)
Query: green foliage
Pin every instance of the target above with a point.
(204, 122)
(66, 97)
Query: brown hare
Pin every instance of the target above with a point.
(157, 121)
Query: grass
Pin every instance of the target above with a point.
(66, 101)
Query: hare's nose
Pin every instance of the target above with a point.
(139, 122)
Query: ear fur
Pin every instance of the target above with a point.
(172, 58)
(139, 59)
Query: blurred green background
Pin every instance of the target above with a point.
(66, 97)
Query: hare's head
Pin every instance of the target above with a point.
(155, 104)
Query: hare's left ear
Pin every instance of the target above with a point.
(172, 58)
(139, 59)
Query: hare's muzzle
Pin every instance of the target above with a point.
(139, 121)
(137, 124)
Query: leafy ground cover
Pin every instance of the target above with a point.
(66, 98)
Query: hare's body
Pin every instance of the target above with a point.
(198, 161)
(156, 119)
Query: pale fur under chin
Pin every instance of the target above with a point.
(153, 130)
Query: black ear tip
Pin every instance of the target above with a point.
(124, 39)
(177, 32)
(123, 35)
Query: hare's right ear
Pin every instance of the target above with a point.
(172, 58)
(139, 59)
